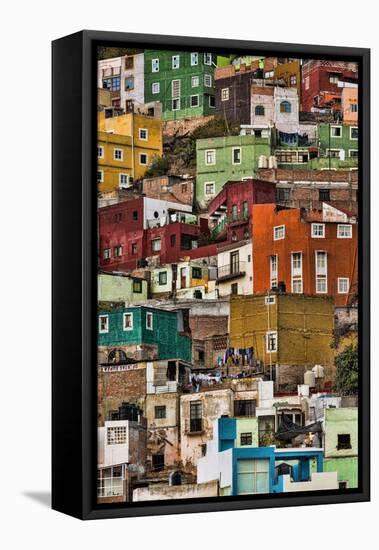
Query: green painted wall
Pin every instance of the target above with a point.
(346, 468)
(184, 73)
(343, 420)
(113, 288)
(327, 141)
(247, 425)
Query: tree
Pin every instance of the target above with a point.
(158, 167)
(346, 363)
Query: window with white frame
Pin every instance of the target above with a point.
(321, 272)
(195, 81)
(207, 80)
(353, 153)
(194, 58)
(209, 188)
(318, 230)
(123, 179)
(236, 155)
(344, 231)
(333, 78)
(100, 176)
(149, 320)
(127, 321)
(155, 65)
(279, 232)
(293, 80)
(155, 88)
(336, 131)
(143, 159)
(118, 154)
(106, 253)
(100, 152)
(175, 61)
(156, 245)
(353, 132)
(210, 156)
(176, 104)
(270, 300)
(271, 341)
(207, 59)
(175, 88)
(343, 285)
(143, 134)
(194, 101)
(273, 271)
(103, 324)
(225, 94)
(116, 435)
(297, 272)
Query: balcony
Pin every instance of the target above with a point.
(231, 271)
(238, 219)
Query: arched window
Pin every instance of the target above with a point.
(116, 356)
(285, 107)
(259, 110)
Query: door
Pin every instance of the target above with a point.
(234, 262)
(183, 277)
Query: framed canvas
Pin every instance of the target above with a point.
(210, 275)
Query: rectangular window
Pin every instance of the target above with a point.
(118, 154)
(333, 153)
(155, 88)
(354, 107)
(318, 230)
(246, 438)
(196, 273)
(113, 84)
(176, 104)
(118, 251)
(116, 435)
(293, 80)
(353, 153)
(271, 341)
(207, 80)
(106, 253)
(273, 271)
(194, 100)
(283, 194)
(157, 462)
(134, 249)
(353, 132)
(297, 272)
(123, 179)
(129, 83)
(321, 272)
(279, 232)
(194, 58)
(324, 195)
(173, 240)
(234, 289)
(156, 245)
(207, 59)
(137, 286)
(236, 155)
(225, 94)
(234, 212)
(175, 61)
(155, 65)
(344, 231)
(210, 157)
(100, 176)
(269, 300)
(212, 101)
(143, 159)
(343, 441)
(103, 324)
(175, 88)
(162, 278)
(245, 407)
(333, 78)
(196, 422)
(195, 81)
(343, 285)
(160, 411)
(100, 152)
(149, 320)
(209, 188)
(336, 131)
(129, 62)
(253, 476)
(128, 321)
(143, 134)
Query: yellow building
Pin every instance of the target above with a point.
(114, 161)
(290, 333)
(290, 72)
(145, 135)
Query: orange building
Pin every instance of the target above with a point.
(302, 252)
(350, 105)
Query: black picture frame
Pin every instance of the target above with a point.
(74, 269)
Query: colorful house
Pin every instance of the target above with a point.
(114, 161)
(339, 142)
(124, 75)
(120, 287)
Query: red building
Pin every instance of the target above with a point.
(310, 252)
(322, 83)
(230, 211)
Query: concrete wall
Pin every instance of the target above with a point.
(319, 481)
(165, 492)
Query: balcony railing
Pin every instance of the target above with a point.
(229, 220)
(231, 271)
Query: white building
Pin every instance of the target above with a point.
(235, 269)
(126, 75)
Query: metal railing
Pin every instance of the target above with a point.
(231, 270)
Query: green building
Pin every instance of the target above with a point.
(223, 159)
(155, 329)
(182, 81)
(341, 445)
(121, 288)
(339, 141)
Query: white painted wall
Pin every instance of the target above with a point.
(245, 283)
(215, 465)
(113, 454)
(151, 206)
(319, 481)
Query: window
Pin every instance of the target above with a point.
(100, 176)
(246, 438)
(155, 88)
(134, 249)
(157, 462)
(129, 83)
(100, 152)
(212, 101)
(196, 273)
(283, 194)
(135, 215)
(143, 158)
(173, 240)
(234, 289)
(143, 134)
(196, 424)
(253, 476)
(259, 110)
(225, 94)
(273, 271)
(324, 195)
(209, 188)
(279, 232)
(353, 132)
(236, 155)
(160, 411)
(207, 59)
(343, 441)
(245, 407)
(269, 300)
(116, 435)
(106, 253)
(285, 107)
(123, 180)
(269, 74)
(175, 88)
(271, 341)
(149, 320)
(194, 58)
(156, 245)
(176, 104)
(333, 78)
(210, 156)
(162, 278)
(175, 61)
(297, 272)
(194, 101)
(234, 212)
(137, 286)
(113, 84)
(118, 251)
(321, 272)
(127, 321)
(342, 485)
(344, 231)
(195, 81)
(245, 210)
(306, 82)
(318, 230)
(118, 217)
(293, 80)
(118, 154)
(129, 62)
(354, 107)
(103, 324)
(207, 80)
(155, 65)
(336, 131)
(343, 285)
(333, 153)
(353, 153)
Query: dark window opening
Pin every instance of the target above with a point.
(343, 441)
(246, 438)
(157, 462)
(196, 422)
(324, 195)
(245, 407)
(135, 215)
(160, 411)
